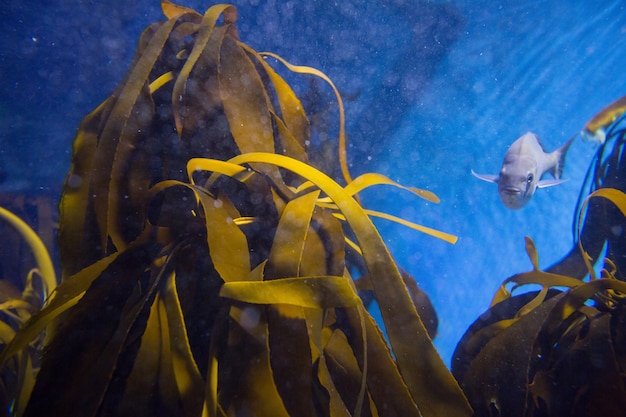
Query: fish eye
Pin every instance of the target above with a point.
(529, 179)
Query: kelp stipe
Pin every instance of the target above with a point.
(204, 259)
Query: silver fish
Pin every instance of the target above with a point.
(524, 164)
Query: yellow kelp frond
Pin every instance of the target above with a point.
(544, 333)
(200, 46)
(161, 81)
(19, 367)
(536, 276)
(42, 258)
(370, 179)
(309, 292)
(66, 296)
(343, 155)
(429, 231)
(205, 261)
(230, 168)
(291, 108)
(618, 198)
(548, 338)
(389, 289)
(171, 10)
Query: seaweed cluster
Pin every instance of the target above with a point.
(561, 350)
(208, 268)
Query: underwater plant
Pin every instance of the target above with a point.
(561, 350)
(17, 376)
(209, 269)
(602, 222)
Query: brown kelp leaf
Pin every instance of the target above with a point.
(370, 179)
(66, 296)
(452, 239)
(577, 297)
(384, 381)
(290, 358)
(145, 314)
(151, 386)
(343, 156)
(336, 406)
(130, 176)
(367, 180)
(309, 292)
(171, 10)
(406, 332)
(288, 141)
(330, 234)
(542, 341)
(422, 304)
(93, 345)
(124, 119)
(201, 100)
(115, 133)
(246, 104)
(618, 198)
(245, 381)
(230, 256)
(575, 345)
(291, 108)
(545, 279)
(345, 371)
(287, 253)
(207, 25)
(501, 390)
(584, 357)
(78, 242)
(536, 276)
(186, 373)
(42, 258)
(531, 251)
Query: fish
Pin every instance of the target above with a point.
(595, 129)
(524, 165)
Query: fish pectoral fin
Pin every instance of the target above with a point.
(550, 183)
(488, 178)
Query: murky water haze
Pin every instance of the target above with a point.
(432, 90)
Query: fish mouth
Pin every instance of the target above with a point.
(511, 191)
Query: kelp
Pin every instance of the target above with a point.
(205, 266)
(39, 211)
(558, 350)
(17, 376)
(599, 224)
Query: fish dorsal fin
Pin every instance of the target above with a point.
(539, 141)
(484, 177)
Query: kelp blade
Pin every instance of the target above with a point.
(393, 297)
(200, 282)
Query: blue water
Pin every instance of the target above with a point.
(433, 90)
(542, 66)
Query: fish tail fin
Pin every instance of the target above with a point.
(560, 154)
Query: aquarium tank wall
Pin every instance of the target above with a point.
(277, 208)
